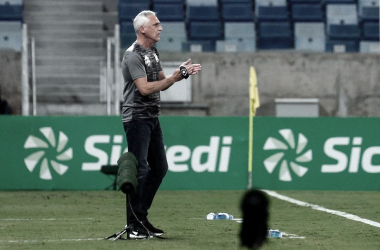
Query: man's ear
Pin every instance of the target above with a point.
(142, 29)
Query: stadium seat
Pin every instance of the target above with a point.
(344, 31)
(202, 13)
(307, 13)
(342, 46)
(369, 47)
(309, 37)
(371, 31)
(338, 2)
(11, 35)
(239, 29)
(132, 1)
(205, 31)
(127, 34)
(169, 12)
(198, 46)
(304, 2)
(172, 36)
(237, 12)
(11, 10)
(368, 10)
(128, 11)
(201, 2)
(272, 13)
(275, 35)
(242, 44)
(341, 14)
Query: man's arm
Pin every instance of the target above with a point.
(164, 82)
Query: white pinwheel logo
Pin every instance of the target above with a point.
(288, 154)
(49, 151)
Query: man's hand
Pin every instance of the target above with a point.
(192, 69)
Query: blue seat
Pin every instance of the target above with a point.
(202, 13)
(11, 35)
(127, 34)
(371, 31)
(343, 31)
(275, 35)
(198, 46)
(307, 13)
(11, 10)
(368, 10)
(342, 46)
(128, 11)
(205, 31)
(237, 12)
(272, 13)
(170, 12)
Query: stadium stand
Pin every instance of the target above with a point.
(342, 27)
(307, 25)
(237, 12)
(169, 12)
(128, 11)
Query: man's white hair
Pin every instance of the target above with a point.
(142, 19)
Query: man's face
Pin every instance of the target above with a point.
(153, 28)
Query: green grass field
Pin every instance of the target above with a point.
(80, 219)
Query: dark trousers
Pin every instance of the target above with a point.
(145, 141)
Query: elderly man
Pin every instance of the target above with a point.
(143, 81)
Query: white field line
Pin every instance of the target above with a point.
(320, 208)
(58, 240)
(44, 219)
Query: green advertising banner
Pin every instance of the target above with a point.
(204, 153)
(68, 152)
(317, 153)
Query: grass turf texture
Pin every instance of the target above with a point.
(53, 220)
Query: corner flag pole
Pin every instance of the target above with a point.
(254, 103)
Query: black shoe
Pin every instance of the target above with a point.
(154, 231)
(137, 231)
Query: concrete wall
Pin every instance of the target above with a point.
(10, 79)
(346, 84)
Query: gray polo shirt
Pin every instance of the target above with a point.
(140, 62)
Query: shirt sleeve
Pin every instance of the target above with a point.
(135, 65)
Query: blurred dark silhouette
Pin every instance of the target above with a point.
(5, 108)
(254, 228)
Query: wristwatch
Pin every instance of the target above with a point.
(184, 72)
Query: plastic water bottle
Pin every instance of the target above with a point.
(274, 233)
(219, 216)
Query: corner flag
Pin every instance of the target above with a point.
(254, 103)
